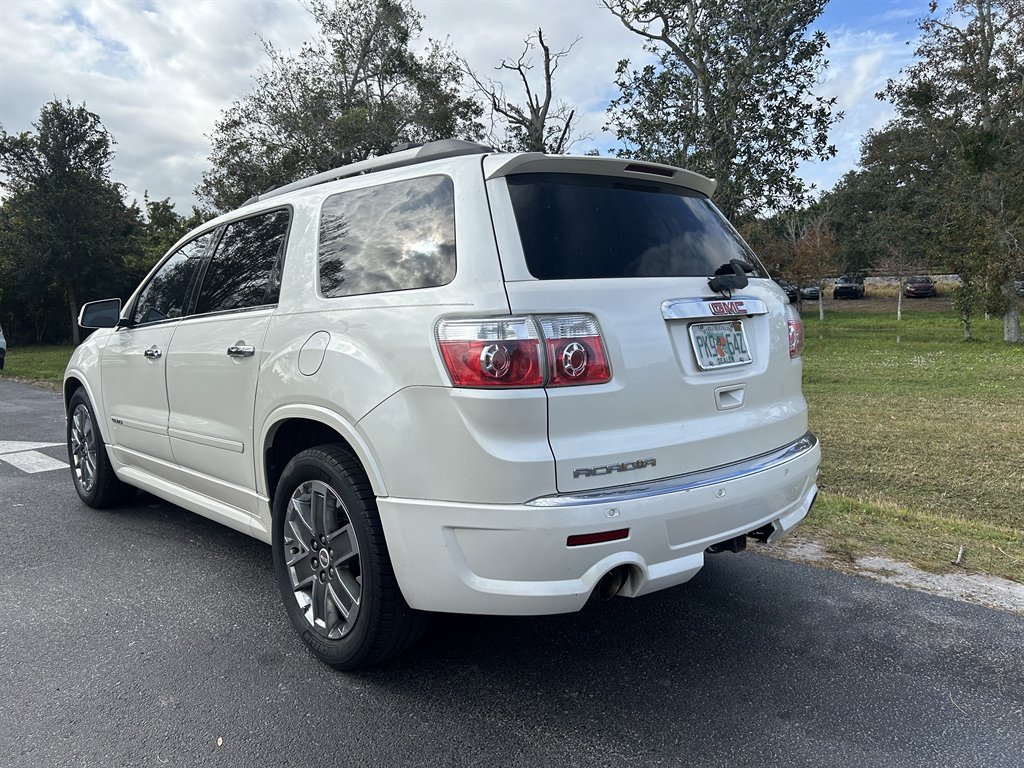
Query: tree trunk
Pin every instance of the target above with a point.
(1011, 319)
(899, 301)
(966, 320)
(73, 306)
(821, 304)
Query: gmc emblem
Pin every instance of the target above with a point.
(728, 308)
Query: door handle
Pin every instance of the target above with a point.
(153, 353)
(241, 350)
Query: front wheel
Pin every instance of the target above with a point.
(332, 563)
(94, 477)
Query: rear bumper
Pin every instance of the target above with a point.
(514, 559)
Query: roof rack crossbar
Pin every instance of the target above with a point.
(434, 150)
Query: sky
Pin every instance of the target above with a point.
(160, 72)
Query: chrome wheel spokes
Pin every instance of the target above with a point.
(84, 447)
(322, 557)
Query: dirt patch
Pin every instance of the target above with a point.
(978, 588)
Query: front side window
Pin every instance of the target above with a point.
(245, 270)
(577, 226)
(392, 237)
(166, 295)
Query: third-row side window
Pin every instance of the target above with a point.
(391, 237)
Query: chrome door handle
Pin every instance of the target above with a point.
(153, 353)
(241, 351)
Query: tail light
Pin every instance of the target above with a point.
(575, 350)
(492, 353)
(551, 350)
(796, 331)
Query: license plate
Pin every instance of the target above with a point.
(720, 345)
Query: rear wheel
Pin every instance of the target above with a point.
(332, 563)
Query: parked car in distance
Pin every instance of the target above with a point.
(919, 287)
(810, 292)
(849, 287)
(792, 292)
(452, 380)
(3, 347)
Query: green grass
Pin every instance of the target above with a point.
(37, 364)
(922, 438)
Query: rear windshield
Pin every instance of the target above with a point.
(575, 226)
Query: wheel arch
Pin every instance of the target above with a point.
(73, 382)
(294, 428)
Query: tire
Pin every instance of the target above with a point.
(94, 477)
(323, 499)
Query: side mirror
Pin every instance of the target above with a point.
(100, 314)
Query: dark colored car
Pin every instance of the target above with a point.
(849, 287)
(810, 292)
(919, 287)
(792, 292)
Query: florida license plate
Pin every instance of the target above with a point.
(720, 345)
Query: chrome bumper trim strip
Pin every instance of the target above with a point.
(722, 474)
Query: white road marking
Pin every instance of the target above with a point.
(33, 461)
(17, 446)
(23, 455)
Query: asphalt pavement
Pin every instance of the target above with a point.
(150, 636)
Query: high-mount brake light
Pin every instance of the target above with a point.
(796, 331)
(575, 350)
(550, 350)
(491, 353)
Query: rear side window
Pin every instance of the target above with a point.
(245, 270)
(575, 226)
(166, 295)
(392, 237)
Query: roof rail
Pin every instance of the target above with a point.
(434, 150)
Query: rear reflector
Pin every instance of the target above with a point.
(597, 538)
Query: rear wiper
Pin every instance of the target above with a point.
(730, 277)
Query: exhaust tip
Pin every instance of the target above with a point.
(611, 583)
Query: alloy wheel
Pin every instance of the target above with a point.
(322, 557)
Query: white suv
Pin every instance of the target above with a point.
(452, 380)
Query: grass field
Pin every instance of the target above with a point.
(42, 365)
(922, 437)
(922, 434)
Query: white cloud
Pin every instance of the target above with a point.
(159, 73)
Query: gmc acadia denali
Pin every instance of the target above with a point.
(447, 379)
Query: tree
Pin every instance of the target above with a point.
(730, 95)
(965, 96)
(539, 125)
(64, 228)
(356, 91)
(888, 207)
(160, 228)
(816, 256)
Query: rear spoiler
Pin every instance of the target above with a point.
(496, 166)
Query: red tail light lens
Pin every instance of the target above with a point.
(552, 350)
(575, 350)
(491, 353)
(796, 331)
